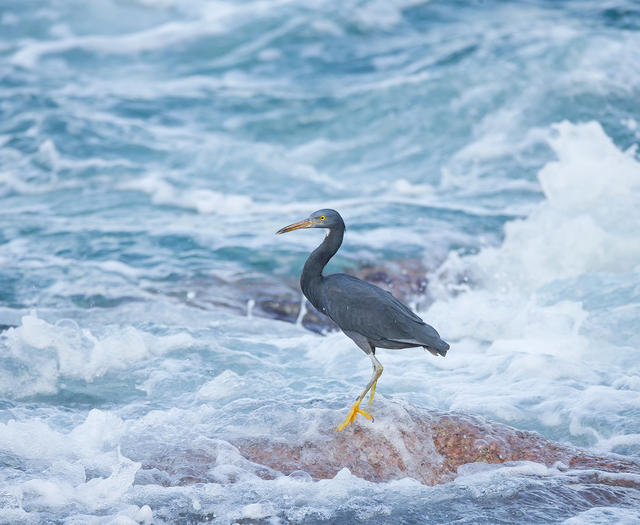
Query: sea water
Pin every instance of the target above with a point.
(150, 149)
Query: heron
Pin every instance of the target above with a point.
(369, 315)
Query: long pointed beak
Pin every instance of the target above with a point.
(307, 223)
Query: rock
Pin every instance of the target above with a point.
(403, 441)
(287, 308)
(406, 278)
(406, 441)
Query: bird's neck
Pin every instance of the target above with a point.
(312, 271)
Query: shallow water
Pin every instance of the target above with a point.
(150, 149)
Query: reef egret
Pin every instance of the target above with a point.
(372, 317)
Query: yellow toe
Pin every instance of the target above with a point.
(351, 416)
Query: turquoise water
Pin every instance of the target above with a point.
(150, 149)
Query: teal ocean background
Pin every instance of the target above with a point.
(150, 149)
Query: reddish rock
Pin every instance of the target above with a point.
(425, 445)
(403, 441)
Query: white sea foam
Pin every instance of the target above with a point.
(202, 200)
(90, 446)
(212, 18)
(227, 383)
(43, 354)
(171, 33)
(605, 516)
(586, 226)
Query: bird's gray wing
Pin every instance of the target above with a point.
(361, 307)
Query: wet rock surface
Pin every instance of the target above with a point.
(428, 446)
(404, 441)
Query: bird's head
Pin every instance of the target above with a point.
(328, 219)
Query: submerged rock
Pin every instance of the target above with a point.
(404, 441)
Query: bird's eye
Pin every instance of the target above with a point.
(322, 218)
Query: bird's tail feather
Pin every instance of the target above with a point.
(440, 350)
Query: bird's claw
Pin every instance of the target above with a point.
(351, 416)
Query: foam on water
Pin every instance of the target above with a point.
(605, 516)
(201, 200)
(38, 356)
(537, 338)
(85, 471)
(82, 469)
(587, 223)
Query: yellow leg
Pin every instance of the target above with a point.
(355, 408)
(373, 391)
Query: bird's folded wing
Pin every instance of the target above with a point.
(361, 307)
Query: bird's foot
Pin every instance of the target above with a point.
(373, 391)
(351, 416)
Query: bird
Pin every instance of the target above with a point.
(370, 316)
